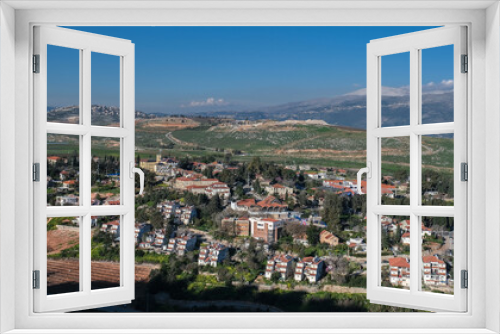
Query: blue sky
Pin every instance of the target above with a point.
(183, 69)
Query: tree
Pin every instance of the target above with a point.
(214, 205)
(275, 277)
(312, 235)
(156, 219)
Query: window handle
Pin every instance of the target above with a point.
(368, 171)
(139, 171)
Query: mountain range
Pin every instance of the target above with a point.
(344, 110)
(350, 109)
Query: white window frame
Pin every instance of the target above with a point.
(414, 43)
(481, 17)
(85, 44)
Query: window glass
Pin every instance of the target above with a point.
(63, 85)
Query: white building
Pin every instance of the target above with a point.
(212, 254)
(279, 263)
(310, 268)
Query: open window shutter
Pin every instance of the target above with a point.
(417, 280)
(70, 285)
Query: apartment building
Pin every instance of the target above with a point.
(279, 263)
(399, 271)
(181, 244)
(435, 272)
(310, 268)
(266, 229)
(212, 254)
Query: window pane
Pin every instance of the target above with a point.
(395, 97)
(395, 171)
(395, 248)
(105, 253)
(63, 84)
(437, 84)
(105, 89)
(437, 169)
(437, 254)
(63, 170)
(63, 248)
(105, 171)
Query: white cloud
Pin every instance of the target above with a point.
(211, 101)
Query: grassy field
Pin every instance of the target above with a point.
(318, 145)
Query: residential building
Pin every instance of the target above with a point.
(399, 271)
(310, 268)
(212, 254)
(405, 238)
(356, 244)
(220, 189)
(112, 227)
(67, 200)
(139, 231)
(181, 244)
(266, 229)
(326, 237)
(435, 272)
(279, 190)
(282, 264)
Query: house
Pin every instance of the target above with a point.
(278, 190)
(160, 239)
(405, 238)
(181, 244)
(281, 264)
(69, 184)
(272, 204)
(399, 271)
(187, 214)
(168, 208)
(67, 200)
(243, 205)
(356, 244)
(310, 268)
(266, 229)
(220, 189)
(139, 231)
(52, 160)
(145, 246)
(315, 175)
(435, 272)
(326, 237)
(212, 254)
(112, 227)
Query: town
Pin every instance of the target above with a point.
(258, 222)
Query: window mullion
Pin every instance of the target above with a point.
(86, 170)
(414, 168)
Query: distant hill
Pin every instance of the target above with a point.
(101, 115)
(350, 109)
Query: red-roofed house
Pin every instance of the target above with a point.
(399, 268)
(326, 237)
(405, 238)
